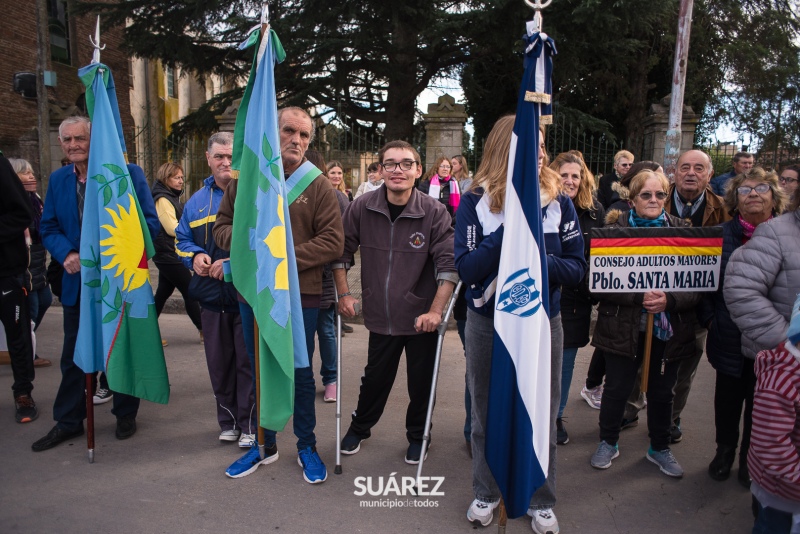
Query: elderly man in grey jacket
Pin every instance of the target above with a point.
(407, 277)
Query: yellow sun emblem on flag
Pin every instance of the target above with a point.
(276, 241)
(125, 245)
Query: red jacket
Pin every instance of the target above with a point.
(400, 261)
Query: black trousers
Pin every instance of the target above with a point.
(621, 372)
(729, 395)
(383, 358)
(597, 369)
(17, 324)
(170, 277)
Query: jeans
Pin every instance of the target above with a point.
(326, 331)
(772, 521)
(479, 338)
(38, 302)
(461, 324)
(305, 418)
(567, 366)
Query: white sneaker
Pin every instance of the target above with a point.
(593, 396)
(481, 512)
(544, 521)
(229, 435)
(246, 440)
(102, 396)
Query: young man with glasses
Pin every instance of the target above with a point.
(607, 192)
(407, 277)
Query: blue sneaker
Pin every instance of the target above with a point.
(314, 471)
(251, 460)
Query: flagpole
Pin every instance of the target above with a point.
(260, 430)
(648, 341)
(502, 519)
(90, 415)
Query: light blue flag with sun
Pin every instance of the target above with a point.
(118, 331)
(262, 251)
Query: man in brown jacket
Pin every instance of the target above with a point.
(690, 198)
(407, 276)
(318, 239)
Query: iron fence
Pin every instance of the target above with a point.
(153, 149)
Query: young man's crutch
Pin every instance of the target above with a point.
(441, 330)
(338, 469)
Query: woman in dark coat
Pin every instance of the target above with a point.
(736, 379)
(576, 301)
(172, 273)
(620, 334)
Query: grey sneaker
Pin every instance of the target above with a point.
(593, 396)
(481, 512)
(666, 462)
(601, 459)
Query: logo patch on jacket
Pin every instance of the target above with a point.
(417, 240)
(519, 295)
(302, 198)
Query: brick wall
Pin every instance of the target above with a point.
(18, 43)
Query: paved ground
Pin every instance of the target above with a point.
(169, 476)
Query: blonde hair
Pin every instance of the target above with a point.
(583, 199)
(464, 167)
(731, 198)
(167, 171)
(622, 154)
(637, 182)
(492, 172)
(331, 165)
(435, 169)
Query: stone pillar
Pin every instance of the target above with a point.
(656, 125)
(444, 127)
(227, 121)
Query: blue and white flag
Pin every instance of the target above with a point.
(518, 420)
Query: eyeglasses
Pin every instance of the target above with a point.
(786, 180)
(626, 165)
(745, 189)
(647, 195)
(444, 166)
(404, 165)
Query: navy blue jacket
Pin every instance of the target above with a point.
(61, 227)
(477, 256)
(193, 236)
(724, 341)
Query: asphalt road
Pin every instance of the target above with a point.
(169, 477)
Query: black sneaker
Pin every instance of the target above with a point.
(562, 438)
(26, 409)
(351, 443)
(126, 426)
(414, 451)
(346, 328)
(629, 423)
(675, 434)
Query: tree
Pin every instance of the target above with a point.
(366, 61)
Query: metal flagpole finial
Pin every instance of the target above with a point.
(538, 6)
(96, 42)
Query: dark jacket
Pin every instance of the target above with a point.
(444, 195)
(714, 211)
(607, 194)
(15, 217)
(61, 226)
(400, 260)
(194, 236)
(724, 341)
(165, 243)
(620, 314)
(577, 301)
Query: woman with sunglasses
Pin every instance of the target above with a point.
(620, 334)
(751, 198)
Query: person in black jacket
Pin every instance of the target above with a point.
(607, 193)
(39, 295)
(576, 301)
(15, 217)
(736, 379)
(172, 274)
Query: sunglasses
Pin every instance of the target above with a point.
(647, 195)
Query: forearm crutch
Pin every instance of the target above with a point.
(426, 435)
